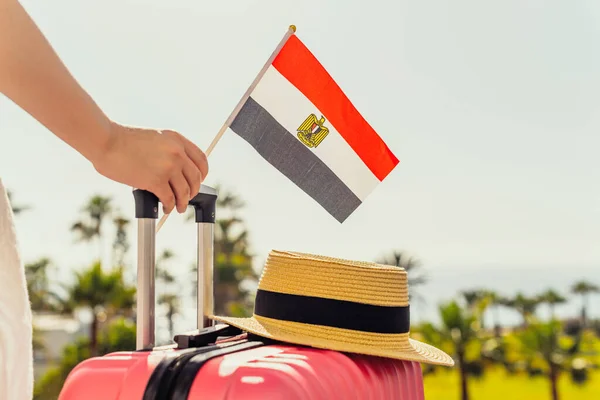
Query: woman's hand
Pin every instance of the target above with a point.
(162, 162)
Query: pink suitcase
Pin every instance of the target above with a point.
(221, 362)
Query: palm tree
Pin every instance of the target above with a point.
(16, 209)
(169, 299)
(162, 272)
(227, 241)
(89, 228)
(173, 305)
(231, 271)
(542, 342)
(120, 245)
(38, 345)
(41, 297)
(229, 200)
(456, 333)
(552, 298)
(495, 301)
(526, 306)
(477, 301)
(99, 290)
(413, 268)
(584, 289)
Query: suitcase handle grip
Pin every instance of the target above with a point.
(146, 212)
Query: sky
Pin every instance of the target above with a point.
(493, 109)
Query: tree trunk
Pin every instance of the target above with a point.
(525, 316)
(463, 377)
(225, 293)
(170, 316)
(497, 327)
(554, 381)
(584, 311)
(94, 334)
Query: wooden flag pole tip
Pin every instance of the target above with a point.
(293, 28)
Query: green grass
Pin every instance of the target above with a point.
(498, 385)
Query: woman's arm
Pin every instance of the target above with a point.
(33, 76)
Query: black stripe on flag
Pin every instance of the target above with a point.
(293, 159)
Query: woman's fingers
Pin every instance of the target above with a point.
(196, 155)
(166, 196)
(181, 188)
(191, 169)
(193, 176)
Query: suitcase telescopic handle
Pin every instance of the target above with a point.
(146, 212)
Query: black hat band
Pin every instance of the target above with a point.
(333, 313)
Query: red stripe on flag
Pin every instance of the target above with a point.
(305, 72)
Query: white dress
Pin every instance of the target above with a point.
(16, 355)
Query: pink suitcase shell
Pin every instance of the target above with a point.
(262, 373)
(238, 366)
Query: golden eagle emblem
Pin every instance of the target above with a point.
(312, 132)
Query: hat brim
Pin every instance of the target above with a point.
(397, 346)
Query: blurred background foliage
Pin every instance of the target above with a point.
(536, 359)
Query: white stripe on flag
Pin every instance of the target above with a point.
(290, 108)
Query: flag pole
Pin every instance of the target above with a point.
(291, 30)
(246, 95)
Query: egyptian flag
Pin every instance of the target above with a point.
(301, 122)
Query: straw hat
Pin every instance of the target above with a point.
(342, 305)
